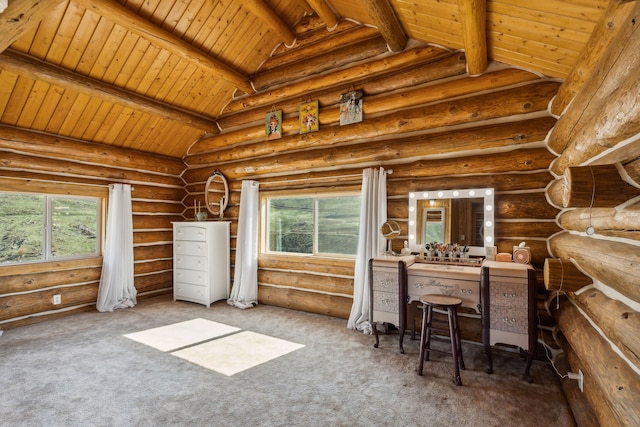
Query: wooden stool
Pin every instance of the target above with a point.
(450, 304)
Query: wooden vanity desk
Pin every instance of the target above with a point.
(397, 281)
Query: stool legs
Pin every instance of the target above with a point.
(454, 335)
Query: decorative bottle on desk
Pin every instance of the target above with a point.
(405, 249)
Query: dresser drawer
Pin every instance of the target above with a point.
(190, 292)
(190, 232)
(194, 277)
(190, 248)
(509, 319)
(190, 262)
(509, 294)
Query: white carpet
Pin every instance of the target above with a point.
(238, 352)
(178, 335)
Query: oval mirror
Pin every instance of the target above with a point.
(390, 230)
(216, 193)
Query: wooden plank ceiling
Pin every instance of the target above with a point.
(155, 75)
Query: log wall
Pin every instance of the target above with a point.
(424, 118)
(33, 162)
(596, 256)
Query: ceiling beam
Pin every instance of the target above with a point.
(20, 16)
(324, 11)
(473, 14)
(263, 12)
(36, 69)
(124, 17)
(387, 22)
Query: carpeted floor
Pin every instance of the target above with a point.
(155, 365)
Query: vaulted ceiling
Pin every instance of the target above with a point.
(157, 75)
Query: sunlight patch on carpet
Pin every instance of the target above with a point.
(182, 334)
(238, 352)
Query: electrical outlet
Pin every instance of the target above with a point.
(57, 299)
(581, 380)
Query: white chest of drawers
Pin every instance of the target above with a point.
(201, 265)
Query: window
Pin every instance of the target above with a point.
(38, 227)
(312, 225)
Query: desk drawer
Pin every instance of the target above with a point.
(509, 319)
(385, 280)
(467, 291)
(509, 294)
(386, 302)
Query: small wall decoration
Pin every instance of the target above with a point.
(309, 117)
(351, 107)
(273, 124)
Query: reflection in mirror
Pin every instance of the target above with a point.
(453, 216)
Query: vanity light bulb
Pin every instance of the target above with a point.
(488, 224)
(411, 237)
(412, 223)
(488, 192)
(456, 194)
(489, 239)
(440, 194)
(472, 193)
(489, 207)
(411, 209)
(425, 195)
(412, 195)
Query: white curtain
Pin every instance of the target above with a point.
(244, 293)
(116, 288)
(373, 213)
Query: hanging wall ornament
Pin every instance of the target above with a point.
(309, 117)
(273, 124)
(351, 107)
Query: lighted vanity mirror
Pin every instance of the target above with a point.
(462, 216)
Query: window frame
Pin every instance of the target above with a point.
(99, 195)
(315, 195)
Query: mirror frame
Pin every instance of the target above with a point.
(489, 223)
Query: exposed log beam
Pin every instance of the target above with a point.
(387, 22)
(473, 14)
(604, 32)
(20, 16)
(563, 275)
(619, 63)
(596, 186)
(67, 149)
(324, 11)
(122, 16)
(263, 12)
(346, 76)
(323, 61)
(56, 76)
(531, 98)
(615, 263)
(624, 223)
